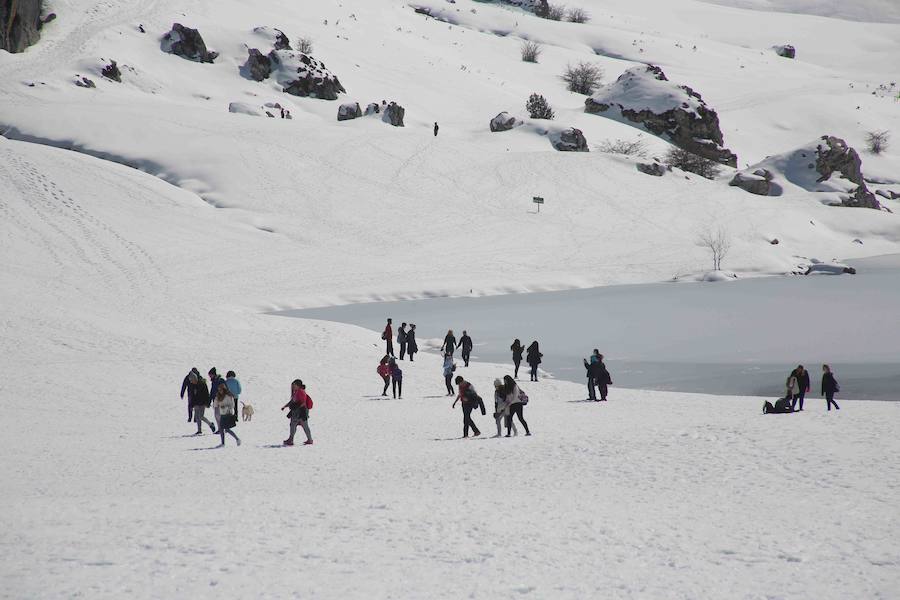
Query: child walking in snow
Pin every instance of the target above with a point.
(227, 414)
(299, 405)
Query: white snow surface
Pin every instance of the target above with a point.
(116, 280)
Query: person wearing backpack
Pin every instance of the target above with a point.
(411, 346)
(199, 401)
(516, 399)
(299, 405)
(517, 350)
(401, 339)
(396, 379)
(829, 387)
(227, 413)
(388, 336)
(802, 376)
(465, 344)
(501, 409)
(470, 401)
(534, 359)
(448, 369)
(600, 376)
(384, 370)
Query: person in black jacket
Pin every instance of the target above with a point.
(829, 387)
(401, 339)
(517, 350)
(186, 387)
(592, 393)
(470, 401)
(465, 344)
(411, 346)
(601, 377)
(200, 401)
(533, 357)
(802, 376)
(214, 380)
(449, 344)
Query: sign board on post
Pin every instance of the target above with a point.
(538, 200)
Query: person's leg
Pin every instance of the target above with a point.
(466, 357)
(222, 434)
(447, 379)
(509, 422)
(497, 421)
(394, 388)
(234, 435)
(387, 382)
(534, 369)
(305, 424)
(390, 347)
(800, 397)
(294, 421)
(592, 394)
(402, 349)
(466, 420)
(519, 413)
(198, 416)
(604, 390)
(217, 416)
(400, 388)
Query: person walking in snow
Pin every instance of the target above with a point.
(465, 345)
(436, 128)
(186, 387)
(234, 386)
(396, 379)
(448, 369)
(501, 409)
(449, 344)
(533, 357)
(299, 405)
(227, 413)
(600, 376)
(829, 387)
(802, 376)
(401, 339)
(470, 401)
(411, 346)
(792, 389)
(200, 401)
(384, 370)
(516, 399)
(388, 336)
(517, 350)
(214, 380)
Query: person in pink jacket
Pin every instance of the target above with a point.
(299, 405)
(384, 370)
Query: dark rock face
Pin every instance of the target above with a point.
(187, 43)
(786, 51)
(20, 24)
(503, 122)
(759, 182)
(373, 108)
(692, 125)
(258, 66)
(393, 114)
(348, 111)
(655, 169)
(833, 155)
(303, 75)
(281, 41)
(84, 82)
(111, 71)
(570, 140)
(542, 8)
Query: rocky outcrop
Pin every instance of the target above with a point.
(84, 82)
(258, 66)
(281, 41)
(188, 44)
(350, 110)
(373, 108)
(644, 96)
(504, 122)
(833, 155)
(111, 71)
(20, 24)
(298, 74)
(759, 182)
(786, 51)
(569, 140)
(655, 169)
(541, 8)
(393, 114)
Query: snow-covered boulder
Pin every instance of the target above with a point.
(832, 268)
(244, 108)
(644, 96)
(655, 169)
(275, 37)
(112, 72)
(569, 140)
(302, 75)
(350, 110)
(20, 24)
(786, 51)
(504, 122)
(84, 82)
(258, 66)
(758, 182)
(187, 43)
(393, 114)
(373, 108)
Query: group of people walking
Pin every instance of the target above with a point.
(509, 402)
(406, 339)
(222, 395)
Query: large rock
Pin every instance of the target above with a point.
(569, 140)
(373, 108)
(302, 75)
(274, 37)
(258, 66)
(759, 182)
(655, 169)
(350, 110)
(393, 114)
(504, 122)
(20, 24)
(111, 71)
(786, 51)
(187, 43)
(644, 96)
(834, 155)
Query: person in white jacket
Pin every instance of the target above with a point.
(516, 400)
(501, 409)
(792, 386)
(227, 414)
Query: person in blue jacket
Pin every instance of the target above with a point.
(234, 386)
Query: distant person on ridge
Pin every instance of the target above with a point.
(384, 370)
(449, 344)
(396, 379)
(187, 387)
(436, 128)
(470, 401)
(465, 344)
(600, 376)
(533, 357)
(802, 376)
(448, 369)
(401, 339)
(517, 350)
(411, 346)
(829, 387)
(388, 336)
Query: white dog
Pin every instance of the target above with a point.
(246, 411)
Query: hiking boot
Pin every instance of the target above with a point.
(288, 442)
(308, 443)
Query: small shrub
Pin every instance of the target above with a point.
(718, 242)
(685, 160)
(556, 12)
(530, 51)
(877, 141)
(625, 147)
(305, 45)
(578, 15)
(583, 78)
(538, 108)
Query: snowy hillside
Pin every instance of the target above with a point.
(185, 215)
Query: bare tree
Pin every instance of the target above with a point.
(718, 242)
(685, 160)
(556, 12)
(538, 107)
(305, 45)
(636, 147)
(877, 141)
(530, 51)
(578, 15)
(583, 78)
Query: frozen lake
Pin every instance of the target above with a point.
(738, 338)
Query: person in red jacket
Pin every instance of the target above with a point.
(299, 405)
(384, 370)
(388, 336)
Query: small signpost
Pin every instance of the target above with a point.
(538, 200)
